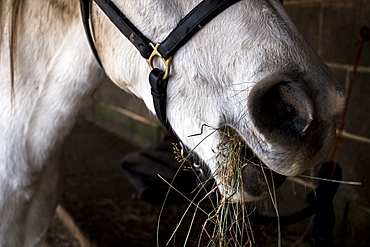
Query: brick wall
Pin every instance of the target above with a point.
(332, 28)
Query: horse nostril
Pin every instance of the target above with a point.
(282, 111)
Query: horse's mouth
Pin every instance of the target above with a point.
(242, 175)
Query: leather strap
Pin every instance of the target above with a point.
(191, 24)
(85, 14)
(125, 26)
(159, 94)
(186, 28)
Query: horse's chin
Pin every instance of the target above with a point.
(240, 174)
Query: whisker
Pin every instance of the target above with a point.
(333, 180)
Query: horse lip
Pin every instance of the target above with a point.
(251, 163)
(292, 171)
(289, 167)
(285, 167)
(269, 174)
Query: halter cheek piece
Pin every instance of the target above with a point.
(186, 28)
(158, 79)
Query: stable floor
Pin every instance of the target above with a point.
(100, 205)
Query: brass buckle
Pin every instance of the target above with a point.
(156, 53)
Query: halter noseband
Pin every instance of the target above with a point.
(186, 28)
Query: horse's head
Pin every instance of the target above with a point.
(246, 83)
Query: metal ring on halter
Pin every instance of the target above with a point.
(182, 150)
(156, 53)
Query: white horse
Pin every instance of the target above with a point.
(248, 70)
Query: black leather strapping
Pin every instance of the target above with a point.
(85, 14)
(125, 26)
(186, 28)
(191, 24)
(159, 94)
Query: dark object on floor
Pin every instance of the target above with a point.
(320, 204)
(143, 168)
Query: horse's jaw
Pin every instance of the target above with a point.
(286, 123)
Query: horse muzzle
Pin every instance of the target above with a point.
(294, 125)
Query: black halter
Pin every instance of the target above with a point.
(186, 28)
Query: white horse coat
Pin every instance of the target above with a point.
(242, 70)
